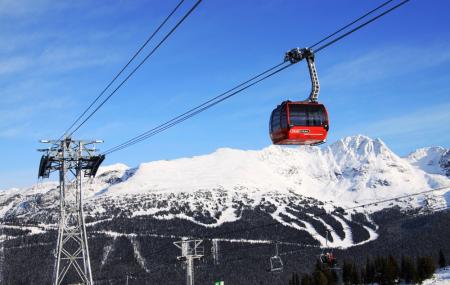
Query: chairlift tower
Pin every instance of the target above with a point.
(215, 250)
(73, 159)
(190, 251)
(2, 254)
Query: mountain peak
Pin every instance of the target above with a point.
(362, 148)
(117, 167)
(434, 160)
(425, 152)
(350, 169)
(361, 140)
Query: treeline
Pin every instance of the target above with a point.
(322, 275)
(380, 270)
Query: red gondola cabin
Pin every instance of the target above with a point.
(299, 123)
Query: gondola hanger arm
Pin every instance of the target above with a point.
(297, 54)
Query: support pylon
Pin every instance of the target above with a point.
(215, 251)
(2, 254)
(73, 160)
(190, 251)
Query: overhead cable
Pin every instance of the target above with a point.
(248, 83)
(174, 28)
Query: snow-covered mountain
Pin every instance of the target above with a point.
(288, 183)
(434, 160)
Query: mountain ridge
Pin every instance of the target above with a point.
(352, 164)
(290, 185)
(302, 198)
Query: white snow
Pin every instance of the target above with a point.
(106, 252)
(138, 256)
(33, 230)
(352, 170)
(427, 159)
(119, 167)
(441, 277)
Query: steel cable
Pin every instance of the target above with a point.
(189, 12)
(222, 97)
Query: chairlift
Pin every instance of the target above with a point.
(327, 257)
(276, 264)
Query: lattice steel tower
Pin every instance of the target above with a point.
(2, 254)
(190, 251)
(73, 159)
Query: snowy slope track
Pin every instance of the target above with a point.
(303, 188)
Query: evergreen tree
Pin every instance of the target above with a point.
(408, 271)
(385, 271)
(320, 278)
(363, 276)
(327, 272)
(319, 266)
(370, 272)
(335, 278)
(347, 272)
(403, 267)
(350, 274)
(355, 278)
(330, 275)
(306, 280)
(380, 266)
(294, 280)
(429, 266)
(425, 267)
(442, 261)
(391, 271)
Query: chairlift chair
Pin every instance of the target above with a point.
(276, 264)
(327, 257)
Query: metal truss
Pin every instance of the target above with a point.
(190, 251)
(73, 159)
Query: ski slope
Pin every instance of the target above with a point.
(288, 183)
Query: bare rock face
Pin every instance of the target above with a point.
(433, 160)
(444, 162)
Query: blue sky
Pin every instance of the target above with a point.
(389, 80)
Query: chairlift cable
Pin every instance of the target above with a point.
(217, 99)
(350, 24)
(186, 15)
(124, 67)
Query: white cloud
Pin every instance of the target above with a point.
(14, 64)
(17, 178)
(19, 120)
(26, 90)
(57, 59)
(21, 8)
(64, 58)
(385, 63)
(431, 120)
(12, 132)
